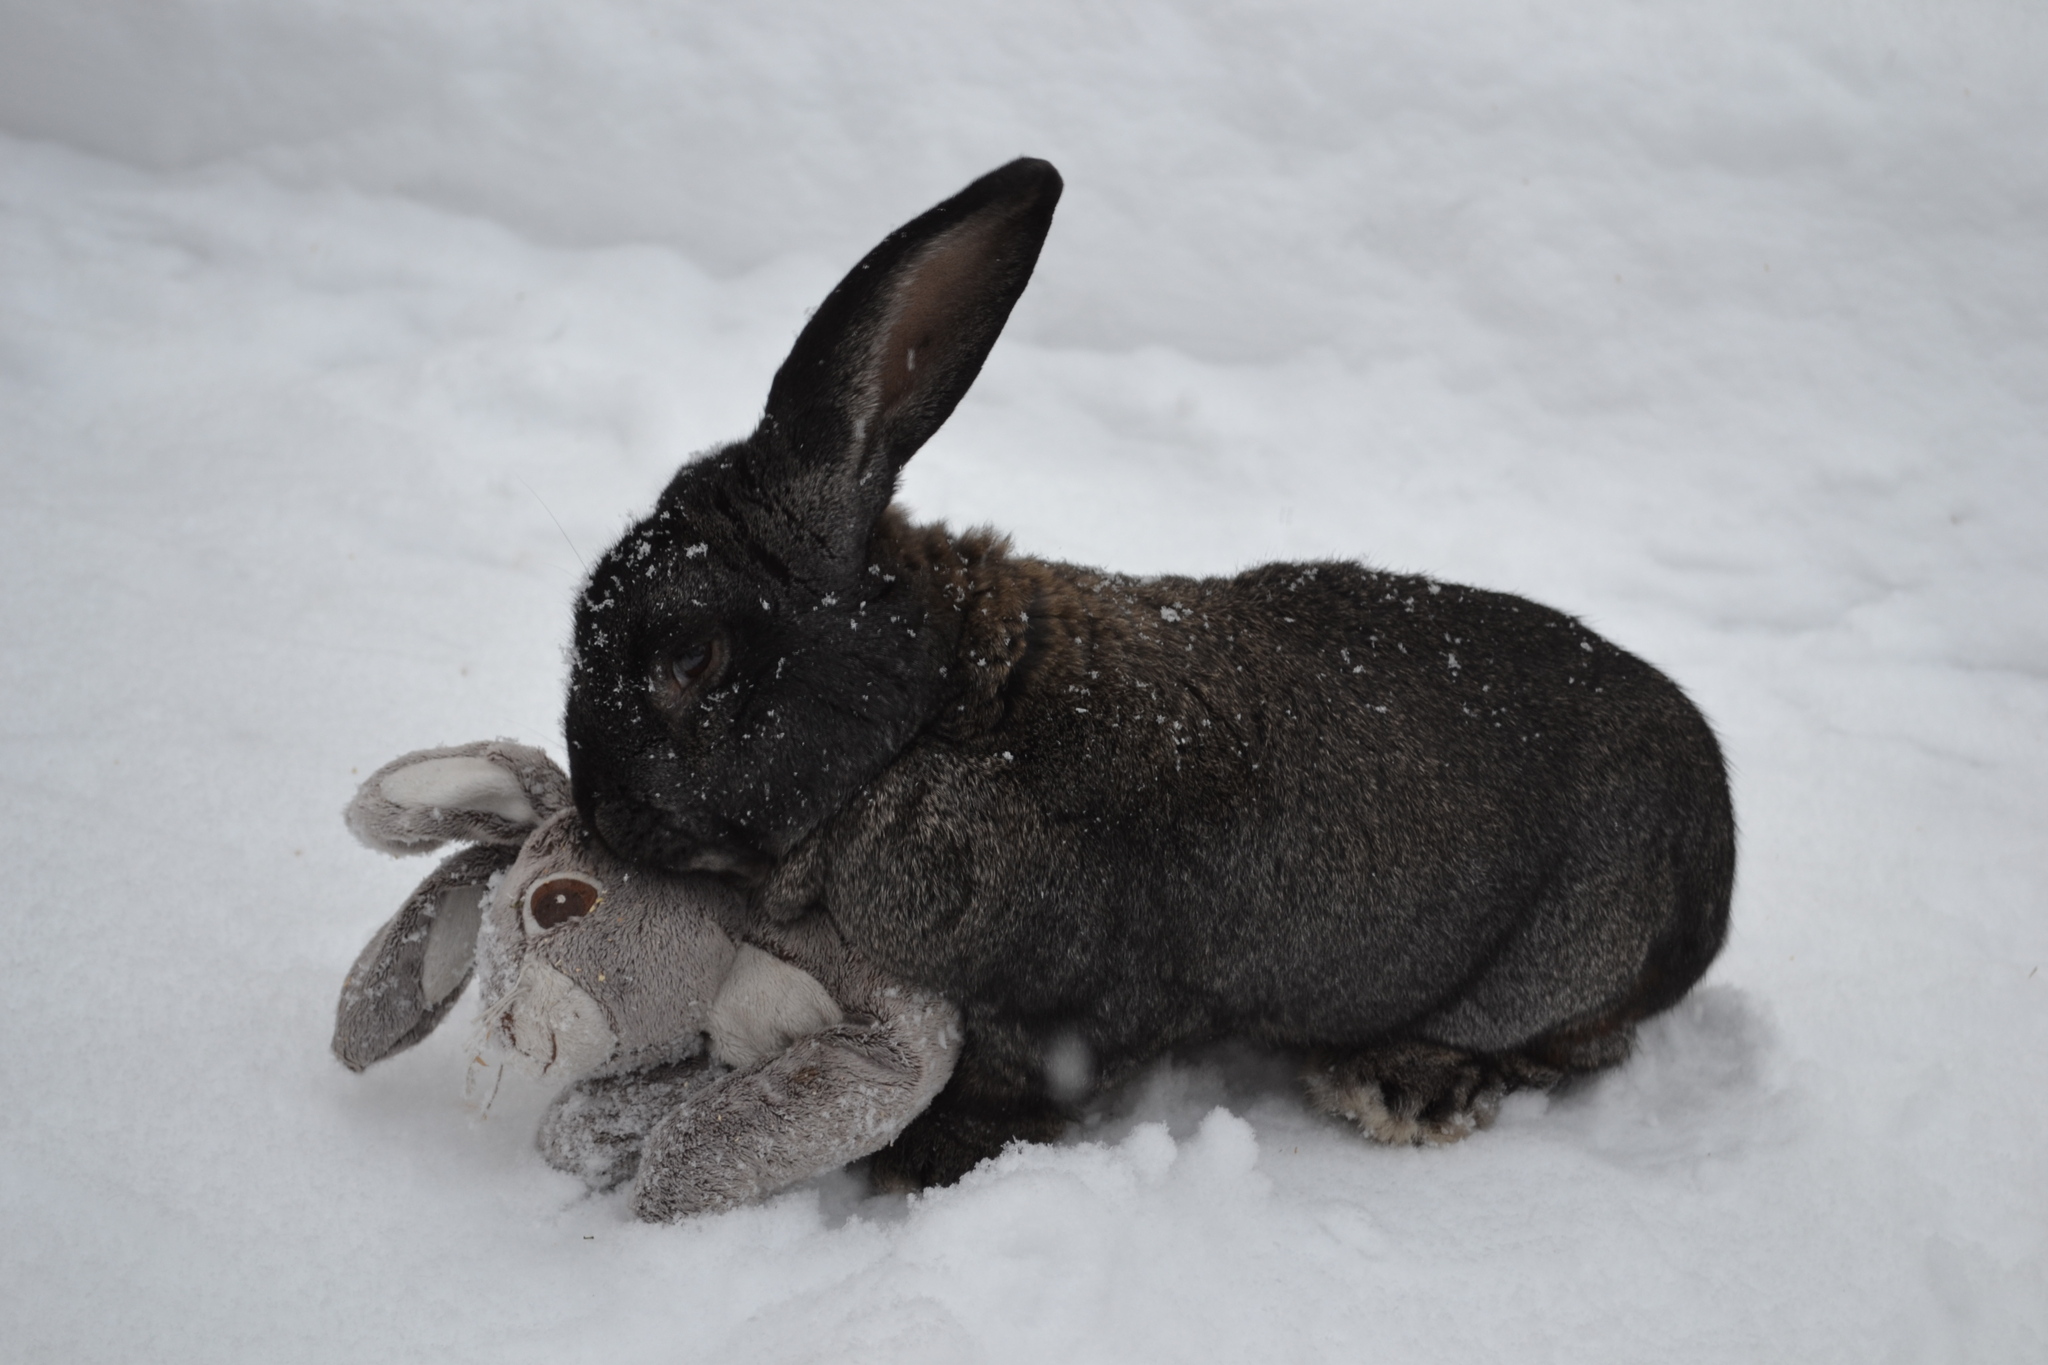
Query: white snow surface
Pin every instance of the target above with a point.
(327, 330)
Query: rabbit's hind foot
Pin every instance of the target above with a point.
(1406, 1094)
(1425, 1095)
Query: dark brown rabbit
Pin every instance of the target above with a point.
(1444, 842)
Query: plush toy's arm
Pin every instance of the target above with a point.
(833, 1097)
(417, 964)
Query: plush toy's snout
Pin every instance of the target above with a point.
(592, 967)
(551, 1025)
(548, 1022)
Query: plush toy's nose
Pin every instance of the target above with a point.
(552, 1025)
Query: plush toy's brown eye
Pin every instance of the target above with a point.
(561, 899)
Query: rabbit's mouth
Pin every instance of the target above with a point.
(742, 867)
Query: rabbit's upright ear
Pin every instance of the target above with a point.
(895, 345)
(493, 792)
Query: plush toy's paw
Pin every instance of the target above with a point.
(1419, 1094)
(596, 1128)
(835, 1096)
(716, 1153)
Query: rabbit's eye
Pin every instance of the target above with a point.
(688, 669)
(682, 671)
(559, 900)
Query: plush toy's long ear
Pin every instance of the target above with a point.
(418, 963)
(894, 346)
(493, 792)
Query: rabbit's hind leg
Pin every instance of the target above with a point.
(951, 1138)
(1421, 1094)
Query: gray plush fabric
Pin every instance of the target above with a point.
(648, 959)
(596, 1128)
(386, 816)
(831, 1097)
(707, 1070)
(417, 964)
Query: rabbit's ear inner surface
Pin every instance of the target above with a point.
(894, 347)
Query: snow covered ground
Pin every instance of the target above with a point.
(331, 336)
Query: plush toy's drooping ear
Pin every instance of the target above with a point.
(418, 963)
(493, 792)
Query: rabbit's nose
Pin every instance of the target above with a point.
(624, 826)
(641, 834)
(618, 826)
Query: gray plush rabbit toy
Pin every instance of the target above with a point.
(709, 1065)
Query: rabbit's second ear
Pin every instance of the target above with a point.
(894, 346)
(494, 792)
(417, 964)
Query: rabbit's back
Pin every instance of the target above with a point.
(1313, 803)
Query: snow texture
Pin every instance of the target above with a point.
(334, 336)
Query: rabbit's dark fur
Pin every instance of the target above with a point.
(1445, 841)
